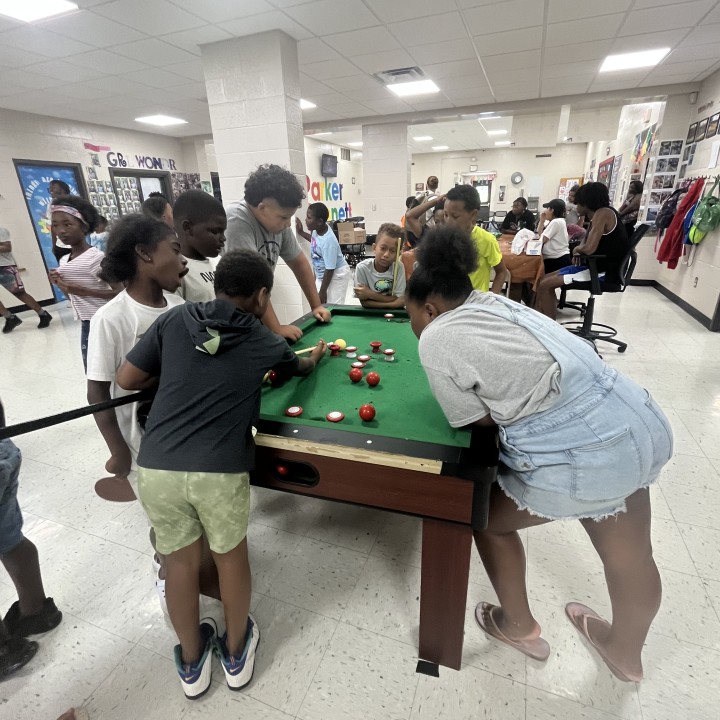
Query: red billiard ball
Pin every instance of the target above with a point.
(373, 379)
(356, 375)
(282, 469)
(367, 412)
(272, 376)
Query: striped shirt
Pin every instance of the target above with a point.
(83, 271)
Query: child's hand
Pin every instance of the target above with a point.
(119, 463)
(319, 351)
(298, 225)
(292, 333)
(362, 292)
(322, 314)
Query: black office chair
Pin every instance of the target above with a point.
(581, 307)
(586, 328)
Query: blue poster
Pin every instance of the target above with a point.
(34, 180)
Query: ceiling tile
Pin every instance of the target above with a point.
(600, 28)
(310, 86)
(333, 16)
(508, 15)
(500, 43)
(79, 92)
(430, 30)
(691, 67)
(349, 85)
(646, 41)
(322, 115)
(332, 98)
(458, 68)
(219, 11)
(617, 81)
(397, 11)
(120, 85)
(517, 91)
(556, 54)
(155, 77)
(13, 57)
(330, 69)
(565, 86)
(511, 77)
(384, 60)
(361, 42)
(683, 54)
(141, 15)
(460, 82)
(274, 20)
(469, 96)
(315, 50)
(192, 70)
(387, 107)
(671, 17)
(107, 62)
(564, 10)
(7, 88)
(28, 80)
(585, 70)
(90, 28)
(642, 4)
(439, 52)
(62, 70)
(666, 80)
(702, 34)
(46, 42)
(513, 61)
(154, 52)
(190, 40)
(429, 105)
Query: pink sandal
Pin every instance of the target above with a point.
(579, 614)
(536, 648)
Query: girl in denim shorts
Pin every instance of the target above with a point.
(577, 441)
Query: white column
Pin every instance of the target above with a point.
(253, 90)
(386, 173)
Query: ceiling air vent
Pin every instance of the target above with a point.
(408, 74)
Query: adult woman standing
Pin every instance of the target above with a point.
(628, 211)
(577, 441)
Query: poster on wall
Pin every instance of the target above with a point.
(605, 171)
(34, 178)
(643, 144)
(614, 174)
(184, 181)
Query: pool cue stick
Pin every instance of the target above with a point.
(305, 350)
(397, 262)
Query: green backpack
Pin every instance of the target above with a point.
(706, 217)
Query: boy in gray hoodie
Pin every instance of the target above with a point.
(209, 360)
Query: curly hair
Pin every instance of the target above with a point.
(391, 230)
(154, 206)
(90, 215)
(240, 273)
(132, 231)
(444, 260)
(273, 181)
(467, 194)
(319, 211)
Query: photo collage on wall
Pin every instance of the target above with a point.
(663, 181)
(101, 195)
(184, 181)
(128, 195)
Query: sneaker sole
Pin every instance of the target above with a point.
(228, 678)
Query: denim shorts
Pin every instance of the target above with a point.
(585, 458)
(11, 520)
(182, 506)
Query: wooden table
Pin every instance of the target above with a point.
(523, 268)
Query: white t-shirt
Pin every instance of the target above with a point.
(83, 271)
(198, 285)
(114, 330)
(557, 245)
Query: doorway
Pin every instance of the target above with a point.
(133, 187)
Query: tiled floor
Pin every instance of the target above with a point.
(336, 587)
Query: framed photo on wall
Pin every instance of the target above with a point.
(712, 126)
(701, 130)
(691, 133)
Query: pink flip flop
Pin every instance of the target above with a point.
(579, 614)
(536, 648)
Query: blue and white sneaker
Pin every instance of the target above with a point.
(239, 670)
(195, 679)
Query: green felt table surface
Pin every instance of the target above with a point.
(405, 406)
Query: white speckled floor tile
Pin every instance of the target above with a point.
(292, 644)
(468, 695)
(694, 505)
(693, 471)
(268, 549)
(318, 577)
(703, 544)
(349, 526)
(355, 661)
(541, 705)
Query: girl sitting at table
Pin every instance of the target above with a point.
(553, 232)
(577, 441)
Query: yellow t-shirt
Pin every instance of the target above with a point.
(489, 256)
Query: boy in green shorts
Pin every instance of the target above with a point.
(198, 448)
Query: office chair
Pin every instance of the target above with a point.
(563, 302)
(587, 328)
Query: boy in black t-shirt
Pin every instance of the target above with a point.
(519, 218)
(197, 451)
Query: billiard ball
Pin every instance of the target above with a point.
(272, 376)
(356, 375)
(282, 469)
(367, 412)
(335, 416)
(373, 379)
(341, 343)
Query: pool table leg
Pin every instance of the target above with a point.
(446, 548)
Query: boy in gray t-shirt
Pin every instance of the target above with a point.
(11, 281)
(378, 282)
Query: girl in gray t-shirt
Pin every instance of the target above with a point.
(577, 441)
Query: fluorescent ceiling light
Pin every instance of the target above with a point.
(307, 105)
(503, 142)
(496, 132)
(161, 120)
(320, 134)
(630, 61)
(422, 138)
(440, 147)
(355, 144)
(488, 117)
(416, 87)
(484, 114)
(35, 10)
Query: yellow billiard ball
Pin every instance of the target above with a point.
(341, 343)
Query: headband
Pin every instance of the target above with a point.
(70, 211)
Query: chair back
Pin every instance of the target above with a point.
(629, 262)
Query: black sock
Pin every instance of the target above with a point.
(7, 314)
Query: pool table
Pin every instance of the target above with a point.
(407, 459)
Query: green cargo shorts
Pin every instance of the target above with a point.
(182, 506)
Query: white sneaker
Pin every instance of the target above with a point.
(239, 670)
(195, 679)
